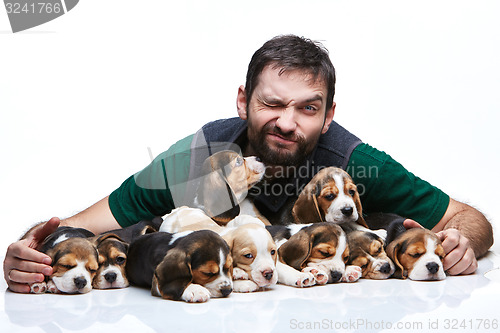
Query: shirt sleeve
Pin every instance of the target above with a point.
(153, 191)
(386, 186)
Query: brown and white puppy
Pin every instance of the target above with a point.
(253, 250)
(312, 254)
(112, 260)
(74, 262)
(418, 255)
(331, 196)
(188, 266)
(226, 178)
(366, 250)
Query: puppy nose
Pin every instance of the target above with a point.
(110, 277)
(268, 275)
(347, 211)
(80, 282)
(432, 267)
(386, 268)
(335, 276)
(225, 291)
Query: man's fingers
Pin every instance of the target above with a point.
(466, 264)
(19, 250)
(41, 233)
(19, 287)
(409, 224)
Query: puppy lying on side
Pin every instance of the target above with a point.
(332, 196)
(253, 250)
(312, 254)
(418, 255)
(190, 266)
(226, 178)
(366, 250)
(74, 262)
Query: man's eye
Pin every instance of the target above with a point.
(310, 108)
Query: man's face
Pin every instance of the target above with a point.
(286, 115)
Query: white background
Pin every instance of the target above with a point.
(84, 96)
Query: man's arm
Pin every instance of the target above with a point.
(466, 235)
(24, 265)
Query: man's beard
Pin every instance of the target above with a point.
(279, 156)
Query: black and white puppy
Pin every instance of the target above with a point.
(188, 266)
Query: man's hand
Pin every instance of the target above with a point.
(460, 258)
(23, 264)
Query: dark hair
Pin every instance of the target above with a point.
(290, 52)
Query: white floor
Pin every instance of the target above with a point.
(457, 304)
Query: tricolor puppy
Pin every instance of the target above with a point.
(253, 250)
(312, 254)
(418, 255)
(112, 260)
(366, 250)
(331, 196)
(189, 266)
(74, 261)
(226, 178)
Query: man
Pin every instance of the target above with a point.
(286, 114)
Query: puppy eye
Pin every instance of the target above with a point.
(323, 253)
(248, 255)
(352, 193)
(120, 260)
(209, 274)
(416, 255)
(239, 162)
(92, 271)
(364, 266)
(329, 196)
(346, 259)
(273, 252)
(68, 266)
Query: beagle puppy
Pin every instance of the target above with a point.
(418, 255)
(331, 196)
(191, 266)
(367, 252)
(312, 254)
(112, 252)
(253, 250)
(74, 262)
(226, 178)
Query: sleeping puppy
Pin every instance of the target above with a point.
(418, 255)
(331, 196)
(189, 266)
(226, 179)
(253, 250)
(74, 262)
(312, 254)
(112, 260)
(366, 250)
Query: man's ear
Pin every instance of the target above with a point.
(241, 103)
(328, 118)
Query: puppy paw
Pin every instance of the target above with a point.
(305, 279)
(195, 293)
(38, 288)
(352, 274)
(51, 288)
(244, 286)
(320, 277)
(239, 274)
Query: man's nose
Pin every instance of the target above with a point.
(286, 121)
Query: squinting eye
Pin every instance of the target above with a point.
(323, 253)
(415, 255)
(68, 266)
(209, 274)
(248, 255)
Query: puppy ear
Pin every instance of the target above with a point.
(296, 250)
(305, 209)
(392, 251)
(218, 198)
(99, 239)
(172, 275)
